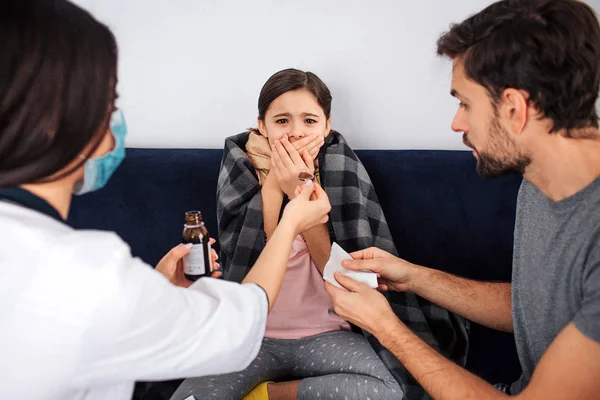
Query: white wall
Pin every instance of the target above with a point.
(191, 70)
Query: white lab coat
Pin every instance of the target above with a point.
(81, 319)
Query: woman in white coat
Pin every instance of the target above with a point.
(79, 317)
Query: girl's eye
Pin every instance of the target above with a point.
(310, 121)
(281, 121)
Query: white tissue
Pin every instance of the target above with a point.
(335, 265)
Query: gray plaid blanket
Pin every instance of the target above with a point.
(356, 222)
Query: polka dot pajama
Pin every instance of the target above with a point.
(334, 365)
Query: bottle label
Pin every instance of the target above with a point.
(193, 262)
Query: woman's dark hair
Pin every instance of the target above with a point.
(548, 48)
(58, 72)
(293, 79)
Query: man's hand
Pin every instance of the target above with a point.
(171, 265)
(360, 305)
(394, 273)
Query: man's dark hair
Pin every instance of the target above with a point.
(548, 48)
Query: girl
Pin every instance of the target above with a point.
(305, 340)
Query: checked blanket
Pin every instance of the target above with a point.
(356, 222)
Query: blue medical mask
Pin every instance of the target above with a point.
(97, 171)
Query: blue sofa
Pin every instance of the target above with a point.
(440, 212)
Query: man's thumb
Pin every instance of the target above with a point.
(349, 283)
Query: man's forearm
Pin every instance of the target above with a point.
(486, 303)
(441, 378)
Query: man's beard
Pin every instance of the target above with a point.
(502, 162)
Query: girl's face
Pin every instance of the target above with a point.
(295, 114)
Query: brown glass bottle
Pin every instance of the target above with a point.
(197, 263)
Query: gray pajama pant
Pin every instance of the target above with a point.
(334, 365)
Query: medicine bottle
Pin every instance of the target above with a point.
(197, 263)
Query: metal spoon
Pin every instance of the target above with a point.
(306, 176)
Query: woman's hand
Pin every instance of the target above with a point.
(309, 207)
(171, 265)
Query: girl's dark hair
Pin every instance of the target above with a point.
(293, 79)
(58, 72)
(549, 48)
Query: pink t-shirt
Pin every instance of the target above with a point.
(303, 307)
